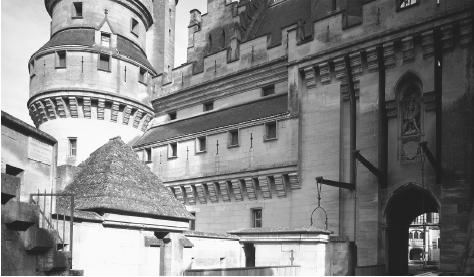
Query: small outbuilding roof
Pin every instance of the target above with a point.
(10, 121)
(112, 179)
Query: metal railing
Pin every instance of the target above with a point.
(51, 218)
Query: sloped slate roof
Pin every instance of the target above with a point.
(85, 37)
(16, 123)
(113, 179)
(233, 115)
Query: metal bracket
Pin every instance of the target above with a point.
(337, 184)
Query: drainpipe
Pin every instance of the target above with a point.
(383, 128)
(353, 137)
(438, 83)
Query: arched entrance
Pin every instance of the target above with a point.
(406, 203)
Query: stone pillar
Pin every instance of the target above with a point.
(171, 256)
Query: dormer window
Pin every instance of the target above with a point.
(268, 90)
(208, 106)
(105, 39)
(403, 4)
(61, 59)
(142, 76)
(76, 9)
(172, 115)
(134, 27)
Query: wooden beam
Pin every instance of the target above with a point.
(367, 164)
(337, 184)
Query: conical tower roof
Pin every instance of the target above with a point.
(113, 179)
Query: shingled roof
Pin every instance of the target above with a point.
(237, 114)
(112, 179)
(85, 37)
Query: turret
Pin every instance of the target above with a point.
(92, 80)
(161, 36)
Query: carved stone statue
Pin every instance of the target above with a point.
(411, 114)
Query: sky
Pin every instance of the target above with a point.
(25, 28)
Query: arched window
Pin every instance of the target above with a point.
(415, 235)
(410, 235)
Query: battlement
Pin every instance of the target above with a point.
(249, 42)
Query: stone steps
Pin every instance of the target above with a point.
(28, 249)
(19, 216)
(10, 185)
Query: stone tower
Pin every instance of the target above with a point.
(93, 80)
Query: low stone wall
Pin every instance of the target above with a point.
(246, 271)
(339, 257)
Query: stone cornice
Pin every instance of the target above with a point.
(90, 93)
(50, 106)
(250, 185)
(393, 56)
(224, 86)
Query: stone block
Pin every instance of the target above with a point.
(54, 261)
(19, 216)
(38, 240)
(10, 185)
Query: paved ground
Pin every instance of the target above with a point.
(419, 269)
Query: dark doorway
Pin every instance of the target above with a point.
(416, 254)
(249, 250)
(407, 202)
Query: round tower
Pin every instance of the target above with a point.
(92, 80)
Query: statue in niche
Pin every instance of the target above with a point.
(411, 113)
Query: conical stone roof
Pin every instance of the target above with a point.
(114, 179)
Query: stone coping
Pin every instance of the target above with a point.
(210, 235)
(281, 230)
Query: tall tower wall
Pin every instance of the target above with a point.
(92, 80)
(161, 35)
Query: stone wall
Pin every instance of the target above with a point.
(99, 250)
(35, 158)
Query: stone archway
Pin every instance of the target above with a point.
(406, 203)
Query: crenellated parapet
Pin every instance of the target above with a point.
(57, 105)
(249, 188)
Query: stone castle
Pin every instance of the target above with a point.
(361, 108)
